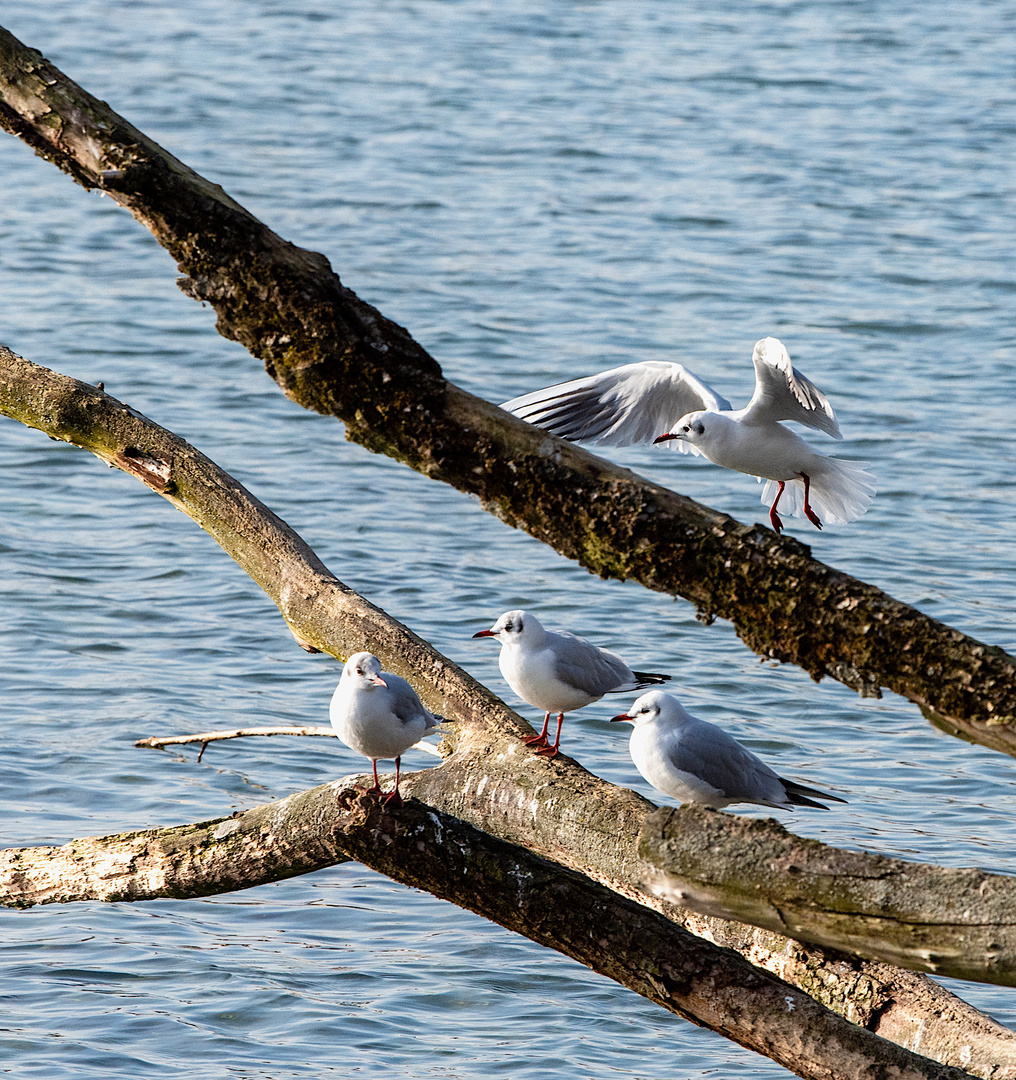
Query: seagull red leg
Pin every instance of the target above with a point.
(541, 739)
(551, 751)
(395, 799)
(773, 516)
(808, 512)
(376, 789)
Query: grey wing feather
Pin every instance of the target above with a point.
(406, 703)
(581, 664)
(797, 793)
(783, 393)
(620, 407)
(722, 762)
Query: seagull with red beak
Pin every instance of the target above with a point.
(635, 403)
(379, 715)
(559, 672)
(694, 761)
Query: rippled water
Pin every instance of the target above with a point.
(537, 191)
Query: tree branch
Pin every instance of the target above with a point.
(333, 353)
(567, 815)
(156, 742)
(425, 848)
(955, 922)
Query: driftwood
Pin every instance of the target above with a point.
(553, 808)
(420, 846)
(956, 922)
(160, 742)
(333, 353)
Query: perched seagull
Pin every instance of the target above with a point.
(635, 403)
(695, 761)
(378, 714)
(559, 672)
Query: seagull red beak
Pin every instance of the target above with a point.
(378, 681)
(484, 633)
(623, 716)
(665, 436)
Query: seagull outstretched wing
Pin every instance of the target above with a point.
(620, 407)
(783, 393)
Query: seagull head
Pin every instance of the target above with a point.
(513, 627)
(649, 707)
(690, 430)
(364, 670)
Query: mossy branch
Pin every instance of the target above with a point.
(334, 353)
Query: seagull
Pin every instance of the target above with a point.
(635, 403)
(695, 761)
(378, 714)
(559, 672)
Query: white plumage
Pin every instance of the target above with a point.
(663, 402)
(695, 761)
(378, 714)
(558, 672)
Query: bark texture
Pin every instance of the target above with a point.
(420, 846)
(491, 780)
(333, 353)
(955, 922)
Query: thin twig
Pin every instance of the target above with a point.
(156, 742)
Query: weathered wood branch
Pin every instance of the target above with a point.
(333, 353)
(160, 742)
(955, 922)
(554, 808)
(566, 911)
(157, 742)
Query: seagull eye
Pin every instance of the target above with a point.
(359, 671)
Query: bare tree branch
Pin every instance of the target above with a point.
(565, 814)
(425, 848)
(333, 353)
(155, 742)
(956, 922)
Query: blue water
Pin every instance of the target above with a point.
(537, 191)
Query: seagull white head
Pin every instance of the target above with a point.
(648, 707)
(513, 627)
(363, 669)
(693, 428)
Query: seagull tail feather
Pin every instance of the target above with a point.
(798, 795)
(841, 491)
